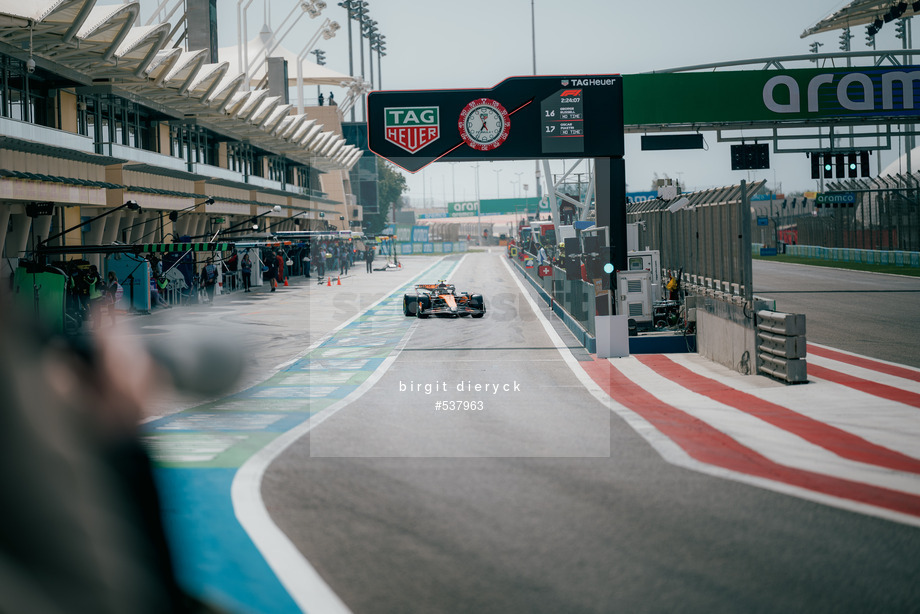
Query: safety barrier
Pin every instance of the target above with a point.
(866, 256)
(568, 299)
(781, 346)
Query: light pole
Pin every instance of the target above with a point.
(371, 35)
(370, 31)
(242, 35)
(498, 190)
(380, 46)
(350, 7)
(327, 30)
(526, 186)
(533, 45)
(313, 8)
(320, 61)
(519, 181)
(368, 27)
(478, 203)
(359, 13)
(533, 36)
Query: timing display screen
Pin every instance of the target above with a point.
(563, 121)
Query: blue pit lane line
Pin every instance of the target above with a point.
(197, 453)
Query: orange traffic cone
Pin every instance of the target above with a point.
(285, 281)
(399, 265)
(338, 281)
(329, 281)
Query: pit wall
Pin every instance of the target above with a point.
(583, 335)
(725, 332)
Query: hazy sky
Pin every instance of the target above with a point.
(440, 44)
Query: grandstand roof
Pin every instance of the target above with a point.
(860, 12)
(104, 44)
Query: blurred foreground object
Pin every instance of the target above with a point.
(81, 529)
(197, 364)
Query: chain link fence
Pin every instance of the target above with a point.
(874, 214)
(702, 235)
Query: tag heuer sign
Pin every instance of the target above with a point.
(411, 128)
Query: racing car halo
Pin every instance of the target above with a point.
(442, 298)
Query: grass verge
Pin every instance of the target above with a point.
(840, 264)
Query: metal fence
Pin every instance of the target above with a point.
(574, 296)
(873, 214)
(705, 234)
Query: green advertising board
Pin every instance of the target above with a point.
(771, 95)
(42, 294)
(495, 206)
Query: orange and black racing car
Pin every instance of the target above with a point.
(442, 299)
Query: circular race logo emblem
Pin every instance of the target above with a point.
(484, 124)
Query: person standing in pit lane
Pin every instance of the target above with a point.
(343, 261)
(113, 294)
(369, 258)
(209, 279)
(246, 268)
(319, 261)
(232, 264)
(541, 256)
(95, 292)
(280, 265)
(271, 275)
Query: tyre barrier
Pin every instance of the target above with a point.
(781, 346)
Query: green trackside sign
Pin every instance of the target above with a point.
(771, 95)
(495, 206)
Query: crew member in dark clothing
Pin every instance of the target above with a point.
(369, 258)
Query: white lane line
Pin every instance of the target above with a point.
(674, 454)
(662, 444)
(306, 587)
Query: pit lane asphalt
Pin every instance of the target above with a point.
(544, 502)
(269, 329)
(199, 445)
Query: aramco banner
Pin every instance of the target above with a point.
(496, 206)
(772, 95)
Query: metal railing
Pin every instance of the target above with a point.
(574, 296)
(881, 215)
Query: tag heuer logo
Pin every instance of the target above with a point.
(411, 128)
